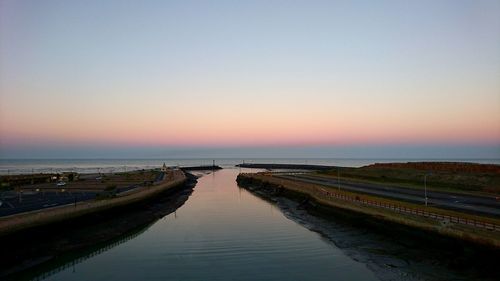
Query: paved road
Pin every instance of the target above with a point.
(14, 203)
(466, 203)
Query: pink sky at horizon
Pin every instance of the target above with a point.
(185, 74)
(253, 131)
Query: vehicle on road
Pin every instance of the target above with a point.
(61, 183)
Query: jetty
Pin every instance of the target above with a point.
(201, 168)
(286, 166)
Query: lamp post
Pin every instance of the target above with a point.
(425, 187)
(338, 177)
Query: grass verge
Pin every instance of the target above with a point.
(464, 232)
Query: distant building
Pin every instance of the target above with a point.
(164, 168)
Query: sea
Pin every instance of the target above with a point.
(27, 166)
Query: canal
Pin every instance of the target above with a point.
(224, 232)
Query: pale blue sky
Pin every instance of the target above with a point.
(90, 75)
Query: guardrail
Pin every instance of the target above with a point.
(321, 192)
(414, 211)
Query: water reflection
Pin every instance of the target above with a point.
(390, 251)
(221, 233)
(43, 244)
(89, 254)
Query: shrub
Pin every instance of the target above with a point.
(110, 187)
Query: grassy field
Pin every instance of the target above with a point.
(454, 177)
(95, 182)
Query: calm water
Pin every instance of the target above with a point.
(18, 166)
(221, 233)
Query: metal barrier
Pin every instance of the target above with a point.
(412, 211)
(394, 207)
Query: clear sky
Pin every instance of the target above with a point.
(316, 78)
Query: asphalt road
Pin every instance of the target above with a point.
(483, 205)
(14, 203)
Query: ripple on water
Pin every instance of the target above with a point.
(222, 233)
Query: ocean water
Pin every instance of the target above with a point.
(21, 166)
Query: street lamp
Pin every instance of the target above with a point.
(338, 177)
(425, 187)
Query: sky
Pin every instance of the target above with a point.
(356, 79)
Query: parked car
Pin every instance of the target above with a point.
(61, 183)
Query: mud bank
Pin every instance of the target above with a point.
(32, 252)
(391, 251)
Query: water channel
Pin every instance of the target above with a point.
(224, 232)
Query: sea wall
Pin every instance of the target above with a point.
(375, 211)
(18, 222)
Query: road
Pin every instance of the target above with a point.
(483, 205)
(15, 202)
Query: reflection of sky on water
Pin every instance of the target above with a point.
(222, 233)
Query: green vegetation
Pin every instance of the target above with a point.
(5, 186)
(443, 177)
(285, 187)
(108, 192)
(110, 187)
(22, 221)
